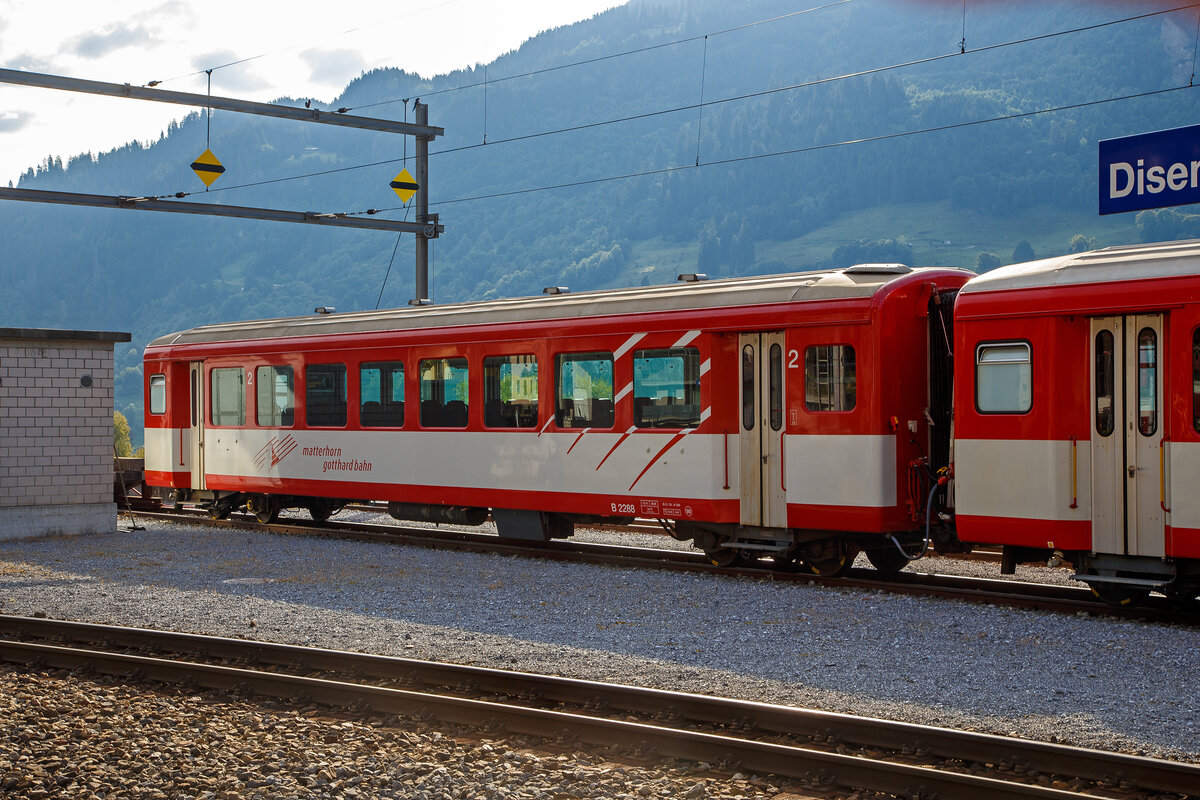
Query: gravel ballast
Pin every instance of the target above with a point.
(1095, 682)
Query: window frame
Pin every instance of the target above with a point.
(689, 384)
(975, 373)
(214, 396)
(257, 398)
(161, 382)
(389, 366)
(1196, 379)
(443, 403)
(582, 355)
(308, 405)
(1105, 379)
(844, 346)
(497, 362)
(1155, 378)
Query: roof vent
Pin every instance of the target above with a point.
(692, 277)
(324, 310)
(556, 290)
(420, 301)
(878, 269)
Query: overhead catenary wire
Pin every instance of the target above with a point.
(611, 56)
(806, 149)
(741, 97)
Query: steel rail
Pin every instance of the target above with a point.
(990, 591)
(1031, 756)
(814, 766)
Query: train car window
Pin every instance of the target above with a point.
(748, 415)
(276, 397)
(228, 396)
(776, 387)
(444, 395)
(510, 391)
(666, 388)
(585, 390)
(1105, 384)
(381, 394)
(830, 378)
(325, 395)
(1003, 378)
(158, 394)
(1147, 382)
(1196, 380)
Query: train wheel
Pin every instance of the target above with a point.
(320, 511)
(834, 567)
(1119, 594)
(887, 560)
(218, 511)
(724, 557)
(264, 508)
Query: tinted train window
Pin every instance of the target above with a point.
(158, 394)
(510, 391)
(1196, 380)
(444, 395)
(1105, 384)
(585, 390)
(276, 396)
(381, 394)
(775, 388)
(748, 414)
(1003, 378)
(325, 395)
(666, 388)
(1147, 382)
(228, 396)
(830, 378)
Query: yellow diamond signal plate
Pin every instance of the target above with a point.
(207, 167)
(404, 185)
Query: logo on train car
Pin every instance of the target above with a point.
(274, 451)
(1150, 170)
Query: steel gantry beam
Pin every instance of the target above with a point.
(39, 80)
(213, 209)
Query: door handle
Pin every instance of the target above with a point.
(1133, 471)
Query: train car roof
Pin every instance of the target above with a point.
(861, 281)
(1126, 263)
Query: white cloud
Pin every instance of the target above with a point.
(13, 121)
(109, 39)
(336, 67)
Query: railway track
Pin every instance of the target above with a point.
(825, 752)
(1019, 594)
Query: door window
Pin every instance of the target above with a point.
(748, 387)
(1147, 382)
(1105, 384)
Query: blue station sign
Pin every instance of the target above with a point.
(1150, 170)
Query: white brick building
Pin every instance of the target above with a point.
(56, 432)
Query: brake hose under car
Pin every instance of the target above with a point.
(941, 481)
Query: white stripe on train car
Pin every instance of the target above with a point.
(855, 471)
(1031, 479)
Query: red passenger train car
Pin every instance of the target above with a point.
(1077, 415)
(801, 417)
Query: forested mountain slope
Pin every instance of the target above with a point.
(936, 162)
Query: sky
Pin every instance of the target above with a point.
(284, 52)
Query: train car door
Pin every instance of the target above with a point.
(196, 381)
(764, 496)
(1127, 435)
